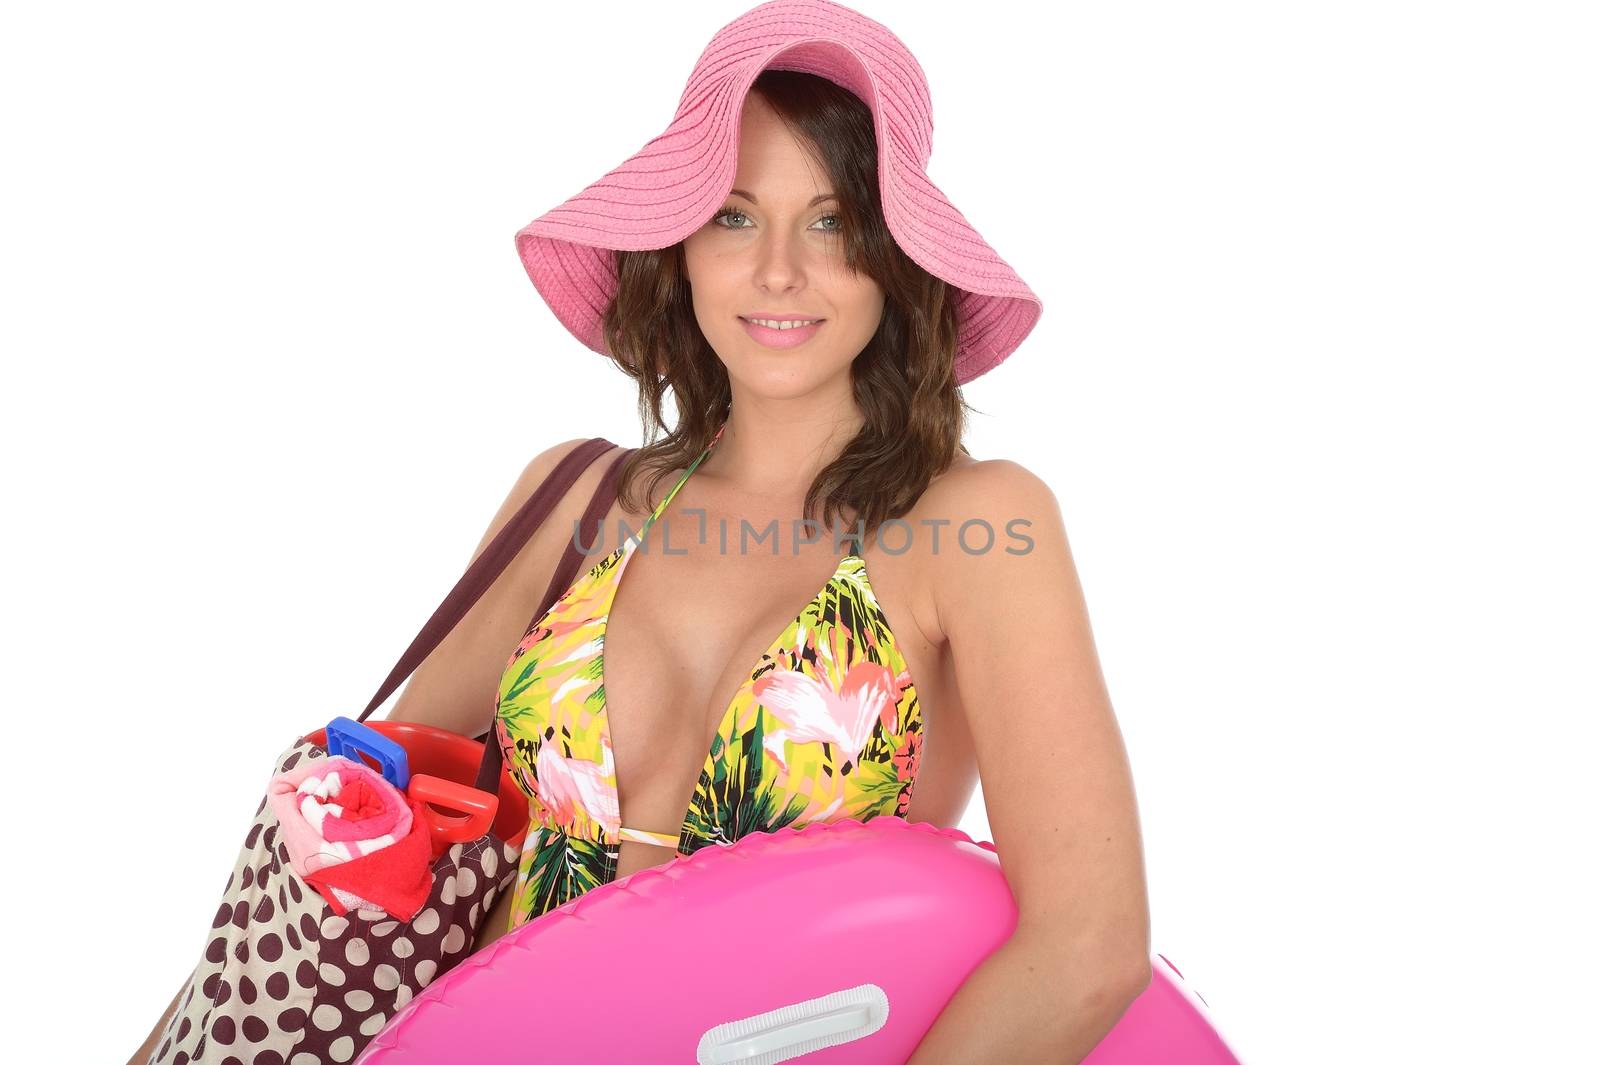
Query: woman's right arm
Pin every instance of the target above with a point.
(456, 686)
(142, 1055)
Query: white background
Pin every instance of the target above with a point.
(1312, 385)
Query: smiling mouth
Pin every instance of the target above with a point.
(782, 337)
(770, 323)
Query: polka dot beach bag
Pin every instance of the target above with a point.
(284, 979)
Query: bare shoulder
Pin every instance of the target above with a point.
(570, 507)
(985, 525)
(987, 494)
(544, 463)
(551, 540)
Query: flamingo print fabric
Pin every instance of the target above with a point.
(827, 726)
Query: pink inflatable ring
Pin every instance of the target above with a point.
(837, 942)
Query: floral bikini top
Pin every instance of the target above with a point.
(826, 727)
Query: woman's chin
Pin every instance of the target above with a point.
(781, 378)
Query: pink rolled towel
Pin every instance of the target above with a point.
(332, 810)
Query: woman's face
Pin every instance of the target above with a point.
(775, 250)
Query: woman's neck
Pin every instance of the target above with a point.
(762, 455)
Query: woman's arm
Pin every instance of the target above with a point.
(1056, 783)
(454, 688)
(142, 1055)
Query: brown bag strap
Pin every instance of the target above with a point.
(493, 560)
(566, 572)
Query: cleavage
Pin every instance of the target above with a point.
(674, 664)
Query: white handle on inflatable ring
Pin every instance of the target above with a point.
(799, 1028)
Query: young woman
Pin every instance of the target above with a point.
(967, 655)
(755, 674)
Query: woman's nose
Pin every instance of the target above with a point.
(778, 265)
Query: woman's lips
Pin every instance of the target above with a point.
(781, 338)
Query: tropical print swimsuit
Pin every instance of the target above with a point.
(827, 726)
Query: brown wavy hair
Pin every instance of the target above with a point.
(904, 379)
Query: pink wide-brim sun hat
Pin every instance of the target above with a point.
(679, 179)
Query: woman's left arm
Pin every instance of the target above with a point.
(1055, 778)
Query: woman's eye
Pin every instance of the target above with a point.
(734, 212)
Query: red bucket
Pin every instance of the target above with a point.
(444, 770)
